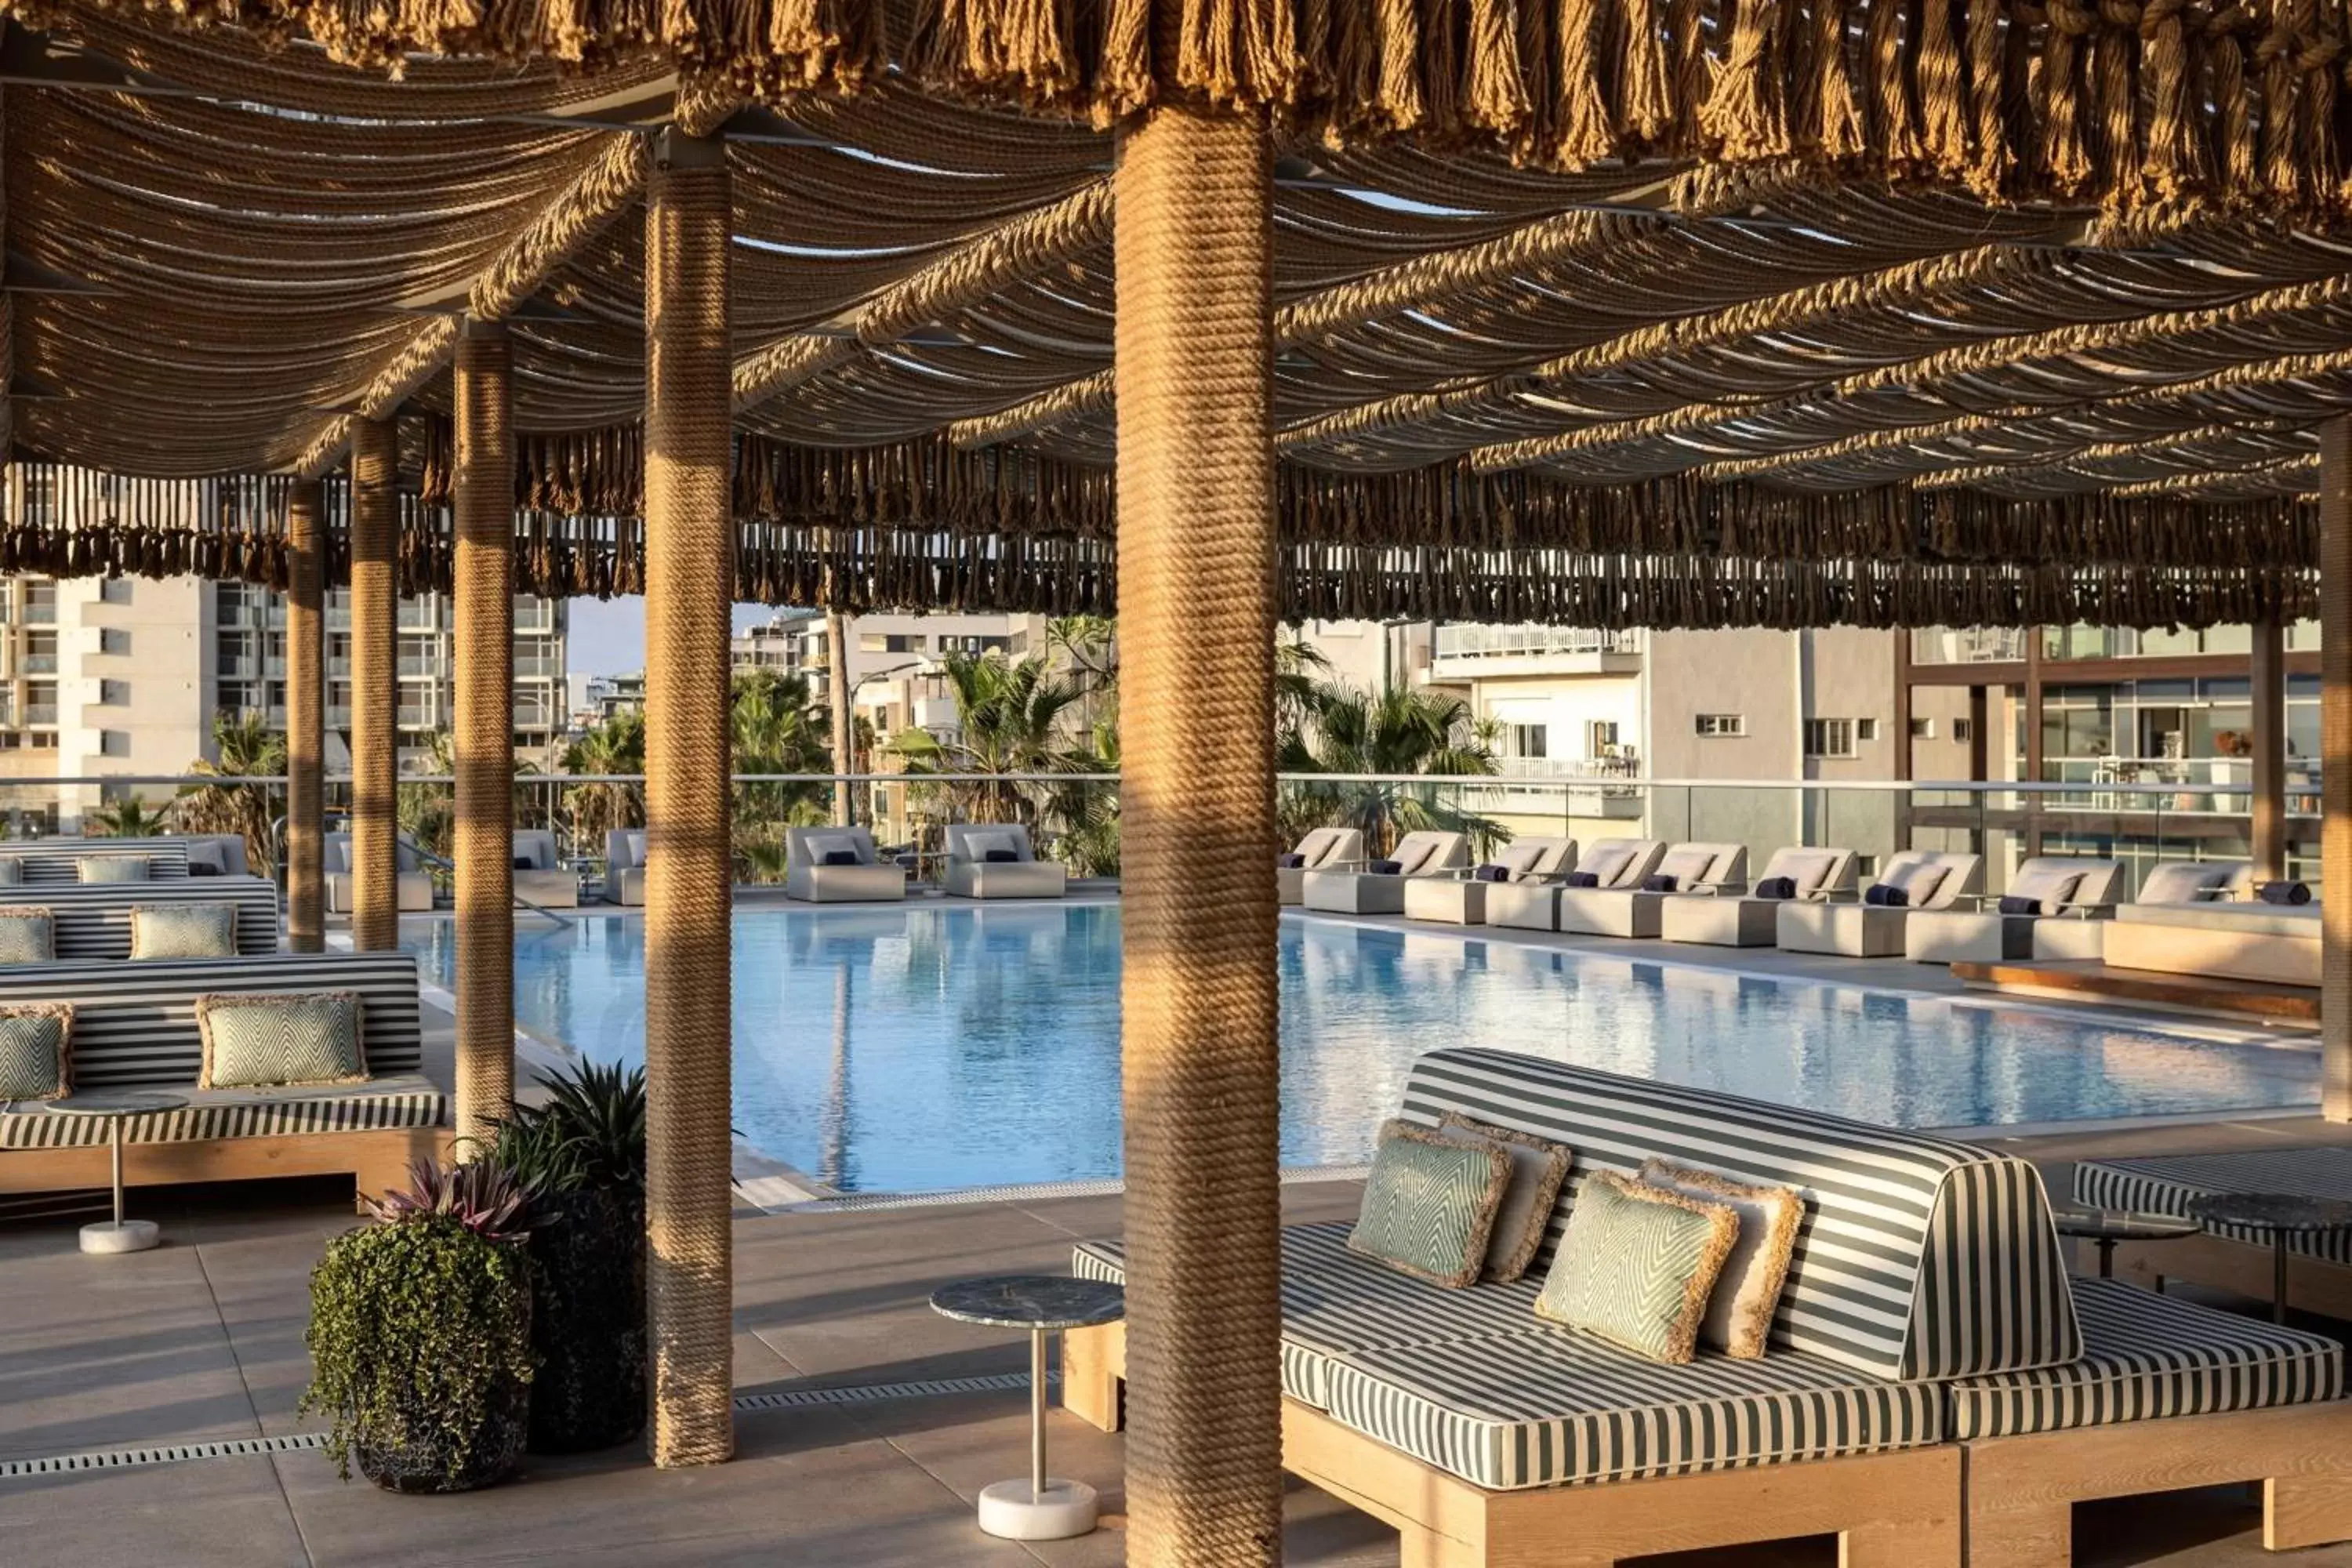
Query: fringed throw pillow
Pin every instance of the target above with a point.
(1539, 1166)
(36, 1051)
(27, 935)
(1637, 1265)
(295, 1039)
(183, 930)
(111, 868)
(1739, 1313)
(1430, 1203)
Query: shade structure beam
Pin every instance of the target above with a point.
(483, 735)
(1196, 546)
(306, 696)
(690, 585)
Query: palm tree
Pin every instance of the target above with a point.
(1012, 717)
(427, 813)
(247, 748)
(614, 747)
(1400, 731)
(776, 725)
(127, 818)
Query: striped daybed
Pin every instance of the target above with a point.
(93, 921)
(134, 1027)
(2319, 1264)
(47, 860)
(1927, 1303)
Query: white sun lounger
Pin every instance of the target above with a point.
(1617, 863)
(1619, 911)
(1324, 849)
(996, 860)
(2073, 893)
(1461, 898)
(838, 865)
(1381, 892)
(1935, 879)
(1751, 920)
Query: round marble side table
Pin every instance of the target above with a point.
(2108, 1227)
(1042, 1508)
(120, 1234)
(2281, 1216)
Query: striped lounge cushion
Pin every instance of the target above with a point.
(94, 922)
(2166, 1183)
(2144, 1356)
(1335, 1301)
(377, 1105)
(1547, 1408)
(59, 860)
(1919, 1257)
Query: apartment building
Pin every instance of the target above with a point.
(246, 634)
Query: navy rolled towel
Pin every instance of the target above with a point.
(1493, 873)
(198, 868)
(1660, 883)
(1584, 880)
(1293, 859)
(843, 856)
(2283, 893)
(2016, 905)
(1777, 888)
(525, 863)
(1385, 868)
(1000, 857)
(1887, 898)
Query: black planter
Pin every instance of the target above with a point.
(588, 1322)
(421, 1464)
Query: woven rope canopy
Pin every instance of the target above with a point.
(1677, 312)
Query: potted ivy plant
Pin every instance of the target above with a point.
(420, 1332)
(583, 1153)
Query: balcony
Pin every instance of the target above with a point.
(41, 713)
(40, 615)
(1476, 653)
(1967, 644)
(37, 664)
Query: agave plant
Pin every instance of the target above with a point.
(590, 1133)
(482, 1195)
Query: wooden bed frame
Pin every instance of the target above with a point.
(2313, 1284)
(1896, 1510)
(375, 1160)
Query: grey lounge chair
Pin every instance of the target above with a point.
(1619, 911)
(1379, 892)
(412, 886)
(625, 866)
(1933, 879)
(996, 860)
(1324, 849)
(1461, 898)
(1751, 920)
(839, 866)
(2072, 894)
(544, 880)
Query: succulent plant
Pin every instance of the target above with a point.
(590, 1133)
(482, 1195)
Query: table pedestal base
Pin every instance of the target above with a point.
(120, 1235)
(1012, 1511)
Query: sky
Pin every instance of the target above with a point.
(608, 636)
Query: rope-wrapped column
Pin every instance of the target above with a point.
(2336, 768)
(305, 704)
(375, 694)
(845, 722)
(483, 578)
(2266, 668)
(689, 586)
(1196, 554)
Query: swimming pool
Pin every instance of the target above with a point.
(932, 1047)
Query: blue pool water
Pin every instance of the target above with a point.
(929, 1047)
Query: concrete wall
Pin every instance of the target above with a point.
(1752, 674)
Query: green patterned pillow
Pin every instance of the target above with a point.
(27, 935)
(183, 930)
(36, 1051)
(113, 868)
(308, 1038)
(1429, 1204)
(1636, 1266)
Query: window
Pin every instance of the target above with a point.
(1865, 729)
(114, 742)
(1529, 740)
(1601, 738)
(115, 591)
(1962, 730)
(1923, 729)
(1722, 724)
(42, 740)
(1829, 737)
(114, 693)
(889, 642)
(114, 640)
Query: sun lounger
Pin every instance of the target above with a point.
(412, 886)
(2166, 882)
(94, 922)
(839, 866)
(2319, 1263)
(994, 861)
(2230, 940)
(540, 877)
(1613, 863)
(625, 866)
(134, 1027)
(1932, 880)
(1373, 892)
(1461, 898)
(1752, 919)
(2073, 892)
(1702, 868)
(1324, 849)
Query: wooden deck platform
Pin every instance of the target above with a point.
(2085, 980)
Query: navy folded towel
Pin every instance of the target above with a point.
(2283, 893)
(1886, 897)
(1660, 883)
(1293, 859)
(1001, 857)
(525, 863)
(2011, 905)
(1777, 888)
(198, 868)
(1584, 880)
(846, 856)
(1385, 868)
(1493, 873)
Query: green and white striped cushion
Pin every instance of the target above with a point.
(380, 1105)
(1547, 1408)
(1889, 1275)
(95, 921)
(1429, 1204)
(2166, 1183)
(2146, 1356)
